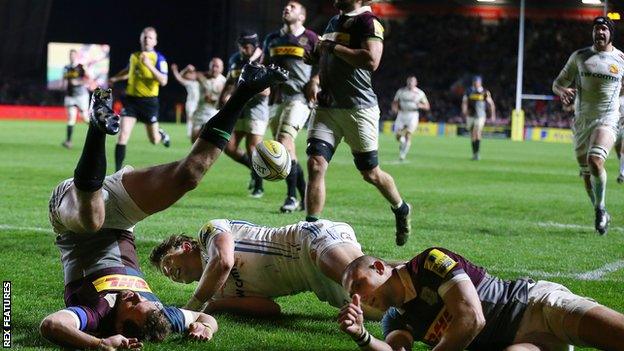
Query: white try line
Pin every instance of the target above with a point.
(7, 227)
(575, 226)
(593, 275)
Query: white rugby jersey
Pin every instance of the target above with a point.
(598, 77)
(268, 262)
(213, 87)
(408, 99)
(192, 93)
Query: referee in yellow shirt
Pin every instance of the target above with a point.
(146, 72)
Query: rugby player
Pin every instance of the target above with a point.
(76, 99)
(447, 302)
(619, 145)
(597, 73)
(289, 109)
(473, 109)
(94, 217)
(188, 79)
(254, 119)
(408, 100)
(241, 266)
(211, 86)
(147, 70)
(348, 53)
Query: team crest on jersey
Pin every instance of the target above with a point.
(613, 68)
(439, 263)
(303, 41)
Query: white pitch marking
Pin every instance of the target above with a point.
(50, 231)
(32, 229)
(593, 275)
(574, 226)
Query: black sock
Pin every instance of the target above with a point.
(474, 147)
(70, 131)
(257, 180)
(91, 169)
(402, 210)
(301, 183)
(291, 180)
(244, 160)
(311, 218)
(120, 155)
(218, 129)
(477, 145)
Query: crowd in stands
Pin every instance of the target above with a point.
(444, 52)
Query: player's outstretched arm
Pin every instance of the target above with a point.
(492, 106)
(464, 305)
(61, 328)
(122, 75)
(252, 306)
(464, 106)
(179, 75)
(351, 320)
(218, 267)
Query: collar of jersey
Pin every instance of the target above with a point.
(359, 11)
(301, 31)
(406, 281)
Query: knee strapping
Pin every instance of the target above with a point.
(365, 161)
(318, 147)
(598, 151)
(584, 170)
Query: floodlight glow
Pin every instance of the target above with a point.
(591, 2)
(486, 0)
(615, 16)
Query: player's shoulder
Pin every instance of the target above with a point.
(583, 52)
(435, 259)
(272, 35)
(311, 34)
(234, 58)
(159, 55)
(212, 228)
(618, 54)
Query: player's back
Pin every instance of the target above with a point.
(268, 260)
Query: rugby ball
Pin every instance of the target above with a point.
(271, 160)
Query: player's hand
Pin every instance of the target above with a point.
(174, 66)
(311, 57)
(325, 46)
(311, 89)
(199, 331)
(120, 342)
(351, 317)
(145, 59)
(567, 95)
(190, 68)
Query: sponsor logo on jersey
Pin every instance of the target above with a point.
(379, 29)
(477, 97)
(600, 75)
(613, 68)
(437, 328)
(121, 282)
(439, 263)
(287, 51)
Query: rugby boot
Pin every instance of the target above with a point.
(101, 113)
(290, 204)
(602, 221)
(620, 178)
(256, 77)
(403, 224)
(164, 137)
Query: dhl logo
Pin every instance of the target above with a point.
(121, 282)
(287, 51)
(438, 327)
(477, 97)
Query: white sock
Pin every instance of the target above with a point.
(599, 184)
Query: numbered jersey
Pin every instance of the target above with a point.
(598, 77)
(271, 262)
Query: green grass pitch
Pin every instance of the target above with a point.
(520, 211)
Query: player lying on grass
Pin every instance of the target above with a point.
(241, 267)
(444, 300)
(94, 217)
